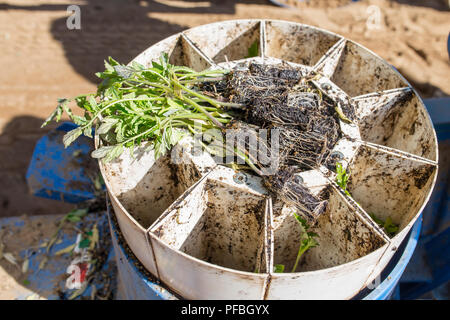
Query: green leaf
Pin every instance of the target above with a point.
(253, 50)
(112, 61)
(80, 121)
(307, 240)
(390, 227)
(87, 131)
(278, 268)
(124, 71)
(302, 221)
(152, 121)
(377, 220)
(74, 219)
(57, 113)
(71, 136)
(342, 177)
(110, 138)
(93, 103)
(312, 234)
(83, 103)
(84, 243)
(173, 104)
(76, 214)
(107, 124)
(157, 66)
(64, 104)
(101, 152)
(137, 65)
(108, 66)
(164, 59)
(114, 153)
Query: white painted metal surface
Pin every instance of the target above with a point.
(208, 235)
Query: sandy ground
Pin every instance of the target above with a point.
(41, 60)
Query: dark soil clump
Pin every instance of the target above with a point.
(282, 97)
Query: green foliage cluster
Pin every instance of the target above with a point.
(135, 104)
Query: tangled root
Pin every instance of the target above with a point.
(292, 192)
(281, 97)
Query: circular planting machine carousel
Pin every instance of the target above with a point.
(210, 232)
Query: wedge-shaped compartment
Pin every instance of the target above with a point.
(343, 234)
(360, 71)
(185, 53)
(296, 42)
(328, 62)
(146, 187)
(154, 52)
(398, 119)
(181, 51)
(219, 224)
(134, 233)
(196, 279)
(227, 41)
(340, 282)
(390, 184)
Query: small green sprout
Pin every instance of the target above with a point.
(342, 178)
(278, 268)
(388, 225)
(253, 50)
(307, 241)
(341, 114)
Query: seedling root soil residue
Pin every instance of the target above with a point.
(283, 97)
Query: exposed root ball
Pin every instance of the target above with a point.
(289, 189)
(305, 150)
(283, 98)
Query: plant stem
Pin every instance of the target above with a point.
(202, 80)
(200, 108)
(111, 104)
(202, 73)
(301, 250)
(214, 102)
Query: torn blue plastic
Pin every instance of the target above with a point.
(58, 173)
